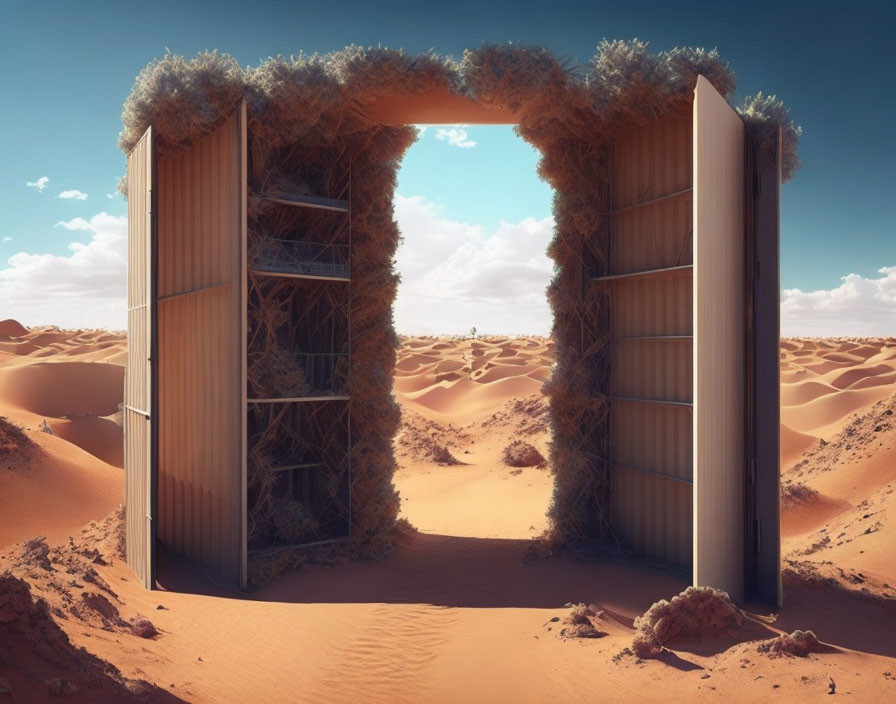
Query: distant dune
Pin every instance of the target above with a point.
(463, 609)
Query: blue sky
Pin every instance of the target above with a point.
(68, 68)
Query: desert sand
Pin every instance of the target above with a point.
(461, 611)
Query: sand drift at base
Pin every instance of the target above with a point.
(461, 610)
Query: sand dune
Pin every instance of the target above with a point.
(60, 389)
(70, 379)
(59, 489)
(793, 444)
(484, 373)
(459, 612)
(12, 328)
(854, 475)
(804, 392)
(823, 383)
(848, 378)
(826, 415)
(99, 436)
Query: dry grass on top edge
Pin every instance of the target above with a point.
(306, 97)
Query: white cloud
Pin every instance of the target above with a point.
(456, 137)
(455, 276)
(73, 194)
(86, 288)
(74, 224)
(7, 239)
(111, 195)
(38, 185)
(858, 307)
(421, 130)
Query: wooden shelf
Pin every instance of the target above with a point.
(280, 548)
(299, 399)
(686, 268)
(193, 292)
(655, 338)
(289, 275)
(306, 201)
(685, 195)
(655, 401)
(304, 465)
(654, 473)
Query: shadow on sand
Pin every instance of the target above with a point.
(452, 571)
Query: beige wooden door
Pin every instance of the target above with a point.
(140, 484)
(719, 372)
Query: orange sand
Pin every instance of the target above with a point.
(458, 613)
(71, 380)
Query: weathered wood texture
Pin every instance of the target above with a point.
(200, 364)
(138, 392)
(718, 343)
(652, 512)
(762, 550)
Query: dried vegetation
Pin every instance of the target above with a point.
(308, 133)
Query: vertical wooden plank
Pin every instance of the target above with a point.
(718, 343)
(244, 329)
(762, 556)
(152, 484)
(652, 512)
(200, 364)
(139, 397)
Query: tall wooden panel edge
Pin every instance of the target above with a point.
(139, 394)
(719, 387)
(199, 368)
(762, 522)
(207, 525)
(735, 544)
(244, 325)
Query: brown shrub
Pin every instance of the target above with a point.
(695, 611)
(305, 112)
(798, 643)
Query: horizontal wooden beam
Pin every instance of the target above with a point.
(662, 475)
(298, 399)
(262, 272)
(288, 467)
(654, 338)
(204, 289)
(684, 195)
(656, 401)
(265, 551)
(301, 200)
(646, 272)
(436, 107)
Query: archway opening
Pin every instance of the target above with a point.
(474, 323)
